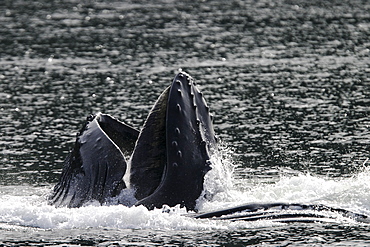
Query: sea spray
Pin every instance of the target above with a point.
(219, 181)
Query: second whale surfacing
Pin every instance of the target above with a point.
(167, 162)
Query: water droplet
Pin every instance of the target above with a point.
(109, 80)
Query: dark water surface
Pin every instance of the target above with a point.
(287, 81)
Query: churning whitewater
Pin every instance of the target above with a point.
(24, 206)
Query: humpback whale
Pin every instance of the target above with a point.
(163, 164)
(169, 156)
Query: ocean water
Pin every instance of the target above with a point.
(287, 82)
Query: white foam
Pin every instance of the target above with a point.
(27, 206)
(33, 211)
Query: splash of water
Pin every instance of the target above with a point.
(27, 206)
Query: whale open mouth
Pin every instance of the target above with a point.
(169, 156)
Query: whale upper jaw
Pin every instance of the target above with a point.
(186, 143)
